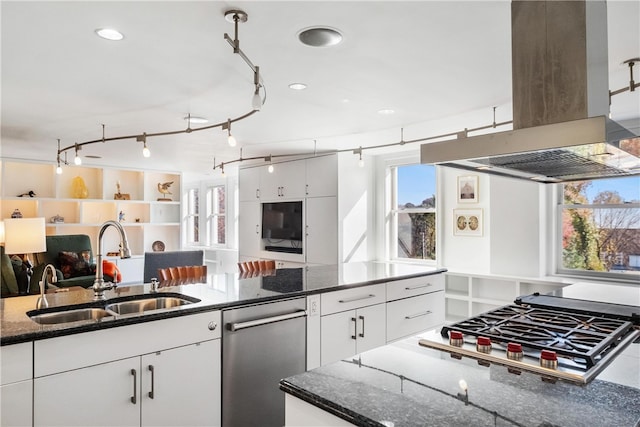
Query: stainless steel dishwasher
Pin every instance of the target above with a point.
(261, 344)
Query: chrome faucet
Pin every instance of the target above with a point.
(99, 285)
(42, 300)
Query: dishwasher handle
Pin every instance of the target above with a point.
(265, 320)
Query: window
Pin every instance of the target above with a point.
(413, 212)
(216, 219)
(599, 224)
(210, 216)
(192, 219)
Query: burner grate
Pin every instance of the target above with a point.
(582, 338)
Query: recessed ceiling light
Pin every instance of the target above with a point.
(92, 156)
(386, 111)
(320, 36)
(297, 86)
(109, 34)
(196, 119)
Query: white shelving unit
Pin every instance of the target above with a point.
(468, 295)
(145, 218)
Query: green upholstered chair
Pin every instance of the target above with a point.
(68, 243)
(13, 280)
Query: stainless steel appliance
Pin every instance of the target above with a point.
(557, 338)
(261, 344)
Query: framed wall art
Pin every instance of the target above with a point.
(468, 189)
(467, 222)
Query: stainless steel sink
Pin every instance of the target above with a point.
(148, 304)
(79, 314)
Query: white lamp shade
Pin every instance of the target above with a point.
(24, 235)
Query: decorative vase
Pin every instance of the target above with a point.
(79, 189)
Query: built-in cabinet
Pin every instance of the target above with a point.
(359, 319)
(312, 181)
(132, 376)
(69, 211)
(468, 295)
(16, 384)
(352, 321)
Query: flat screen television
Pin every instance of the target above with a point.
(282, 221)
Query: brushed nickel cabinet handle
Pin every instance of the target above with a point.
(152, 370)
(355, 327)
(410, 288)
(134, 398)
(357, 298)
(413, 316)
(361, 334)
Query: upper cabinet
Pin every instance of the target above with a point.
(81, 199)
(321, 176)
(284, 182)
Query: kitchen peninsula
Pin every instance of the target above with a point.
(40, 360)
(406, 384)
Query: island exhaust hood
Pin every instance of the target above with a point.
(560, 103)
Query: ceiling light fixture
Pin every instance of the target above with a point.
(77, 160)
(297, 86)
(109, 34)
(235, 16)
(386, 111)
(59, 168)
(269, 159)
(320, 36)
(145, 150)
(230, 138)
(359, 152)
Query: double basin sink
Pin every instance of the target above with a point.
(136, 305)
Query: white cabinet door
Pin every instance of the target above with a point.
(351, 332)
(15, 404)
(322, 230)
(249, 184)
(101, 395)
(181, 386)
(249, 230)
(322, 176)
(287, 181)
(337, 336)
(371, 327)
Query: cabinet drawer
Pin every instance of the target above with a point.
(349, 299)
(16, 362)
(412, 315)
(415, 286)
(91, 348)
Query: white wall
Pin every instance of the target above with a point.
(356, 208)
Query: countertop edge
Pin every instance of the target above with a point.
(327, 405)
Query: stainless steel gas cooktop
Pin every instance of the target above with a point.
(554, 343)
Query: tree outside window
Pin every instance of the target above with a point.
(600, 223)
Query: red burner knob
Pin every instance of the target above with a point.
(514, 351)
(548, 359)
(483, 345)
(456, 338)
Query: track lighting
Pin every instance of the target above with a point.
(59, 168)
(145, 150)
(77, 159)
(236, 17)
(232, 141)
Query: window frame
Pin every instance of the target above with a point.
(205, 214)
(391, 211)
(211, 216)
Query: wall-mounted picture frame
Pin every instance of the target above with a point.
(468, 189)
(467, 222)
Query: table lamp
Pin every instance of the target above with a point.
(25, 236)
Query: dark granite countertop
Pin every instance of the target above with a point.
(405, 384)
(220, 292)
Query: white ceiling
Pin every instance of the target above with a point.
(441, 66)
